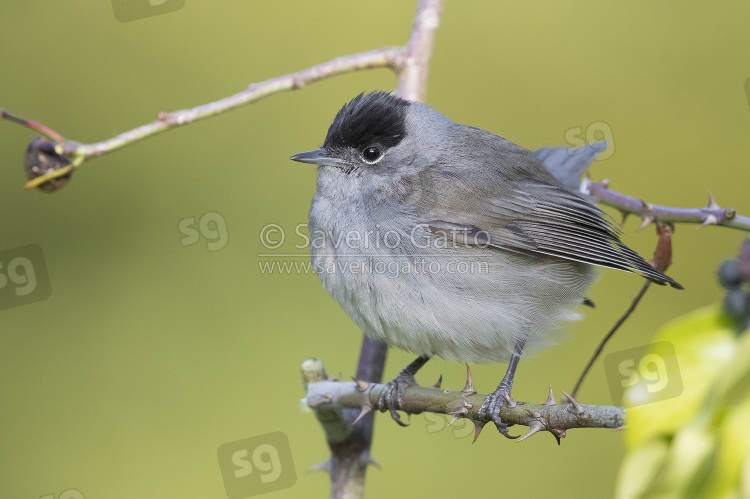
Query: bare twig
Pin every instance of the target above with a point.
(413, 75)
(661, 261)
(410, 62)
(712, 214)
(33, 125)
(392, 57)
(611, 333)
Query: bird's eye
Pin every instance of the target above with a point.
(371, 154)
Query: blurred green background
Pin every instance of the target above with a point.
(150, 355)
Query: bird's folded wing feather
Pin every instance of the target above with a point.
(530, 216)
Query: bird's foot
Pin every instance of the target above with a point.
(492, 404)
(392, 396)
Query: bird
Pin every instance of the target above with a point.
(447, 240)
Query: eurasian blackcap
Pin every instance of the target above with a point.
(444, 239)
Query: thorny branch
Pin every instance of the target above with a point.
(326, 396)
(712, 214)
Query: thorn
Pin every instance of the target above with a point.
(577, 407)
(511, 403)
(550, 398)
(534, 427)
(605, 183)
(558, 434)
(462, 410)
(709, 220)
(625, 215)
(371, 462)
(455, 418)
(469, 388)
(162, 116)
(620, 428)
(439, 382)
(361, 385)
(533, 414)
(365, 410)
(645, 220)
(712, 204)
(646, 206)
(325, 466)
(478, 427)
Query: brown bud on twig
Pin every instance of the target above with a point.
(663, 253)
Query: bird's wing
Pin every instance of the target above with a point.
(525, 215)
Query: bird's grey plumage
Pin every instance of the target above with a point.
(487, 248)
(567, 164)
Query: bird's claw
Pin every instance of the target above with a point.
(392, 397)
(492, 404)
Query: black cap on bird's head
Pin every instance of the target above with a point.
(377, 119)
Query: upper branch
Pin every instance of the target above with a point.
(413, 76)
(410, 62)
(712, 214)
(391, 57)
(70, 154)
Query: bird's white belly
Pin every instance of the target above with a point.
(459, 306)
(460, 303)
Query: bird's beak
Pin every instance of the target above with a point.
(316, 157)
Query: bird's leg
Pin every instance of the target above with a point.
(506, 385)
(392, 396)
(501, 395)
